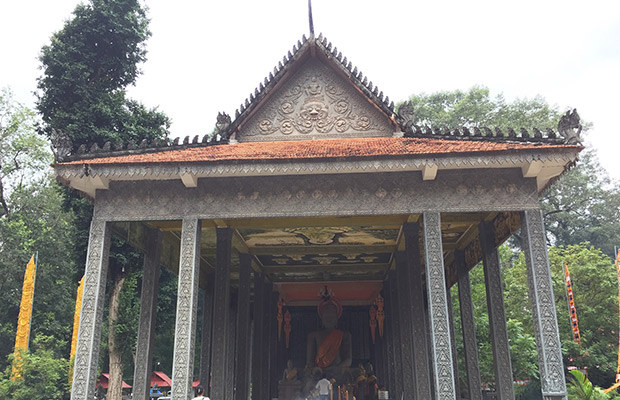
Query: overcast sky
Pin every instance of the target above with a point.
(205, 57)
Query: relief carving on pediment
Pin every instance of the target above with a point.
(316, 102)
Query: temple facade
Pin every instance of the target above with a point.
(319, 193)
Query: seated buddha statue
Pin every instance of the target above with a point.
(329, 348)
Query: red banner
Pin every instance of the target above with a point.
(618, 272)
(571, 305)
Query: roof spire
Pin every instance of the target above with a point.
(310, 18)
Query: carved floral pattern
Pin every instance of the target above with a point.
(315, 101)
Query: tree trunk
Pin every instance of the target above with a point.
(5, 207)
(115, 389)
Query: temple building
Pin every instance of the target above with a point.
(324, 230)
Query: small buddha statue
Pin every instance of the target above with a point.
(290, 373)
(289, 386)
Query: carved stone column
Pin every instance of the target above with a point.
(242, 355)
(497, 315)
(207, 332)
(93, 297)
(221, 311)
(148, 313)
(455, 366)
(438, 308)
(231, 347)
(274, 368)
(470, 343)
(265, 346)
(187, 301)
(420, 322)
(389, 339)
(405, 315)
(379, 362)
(257, 340)
(397, 335)
(550, 362)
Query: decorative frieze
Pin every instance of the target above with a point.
(318, 195)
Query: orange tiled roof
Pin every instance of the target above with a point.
(319, 149)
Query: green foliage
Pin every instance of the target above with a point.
(583, 206)
(87, 67)
(38, 225)
(45, 376)
(581, 387)
(476, 108)
(21, 150)
(165, 323)
(519, 322)
(595, 286)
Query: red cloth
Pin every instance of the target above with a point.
(328, 349)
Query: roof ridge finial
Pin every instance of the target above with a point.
(310, 22)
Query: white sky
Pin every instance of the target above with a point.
(208, 56)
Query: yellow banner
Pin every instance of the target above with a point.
(76, 325)
(23, 321)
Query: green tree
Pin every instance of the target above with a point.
(583, 206)
(595, 286)
(32, 220)
(38, 224)
(476, 107)
(45, 376)
(86, 69)
(518, 320)
(21, 150)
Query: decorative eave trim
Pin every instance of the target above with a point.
(542, 165)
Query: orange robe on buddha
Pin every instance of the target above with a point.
(329, 349)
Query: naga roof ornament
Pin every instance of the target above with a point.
(570, 127)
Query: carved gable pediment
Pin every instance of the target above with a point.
(316, 102)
